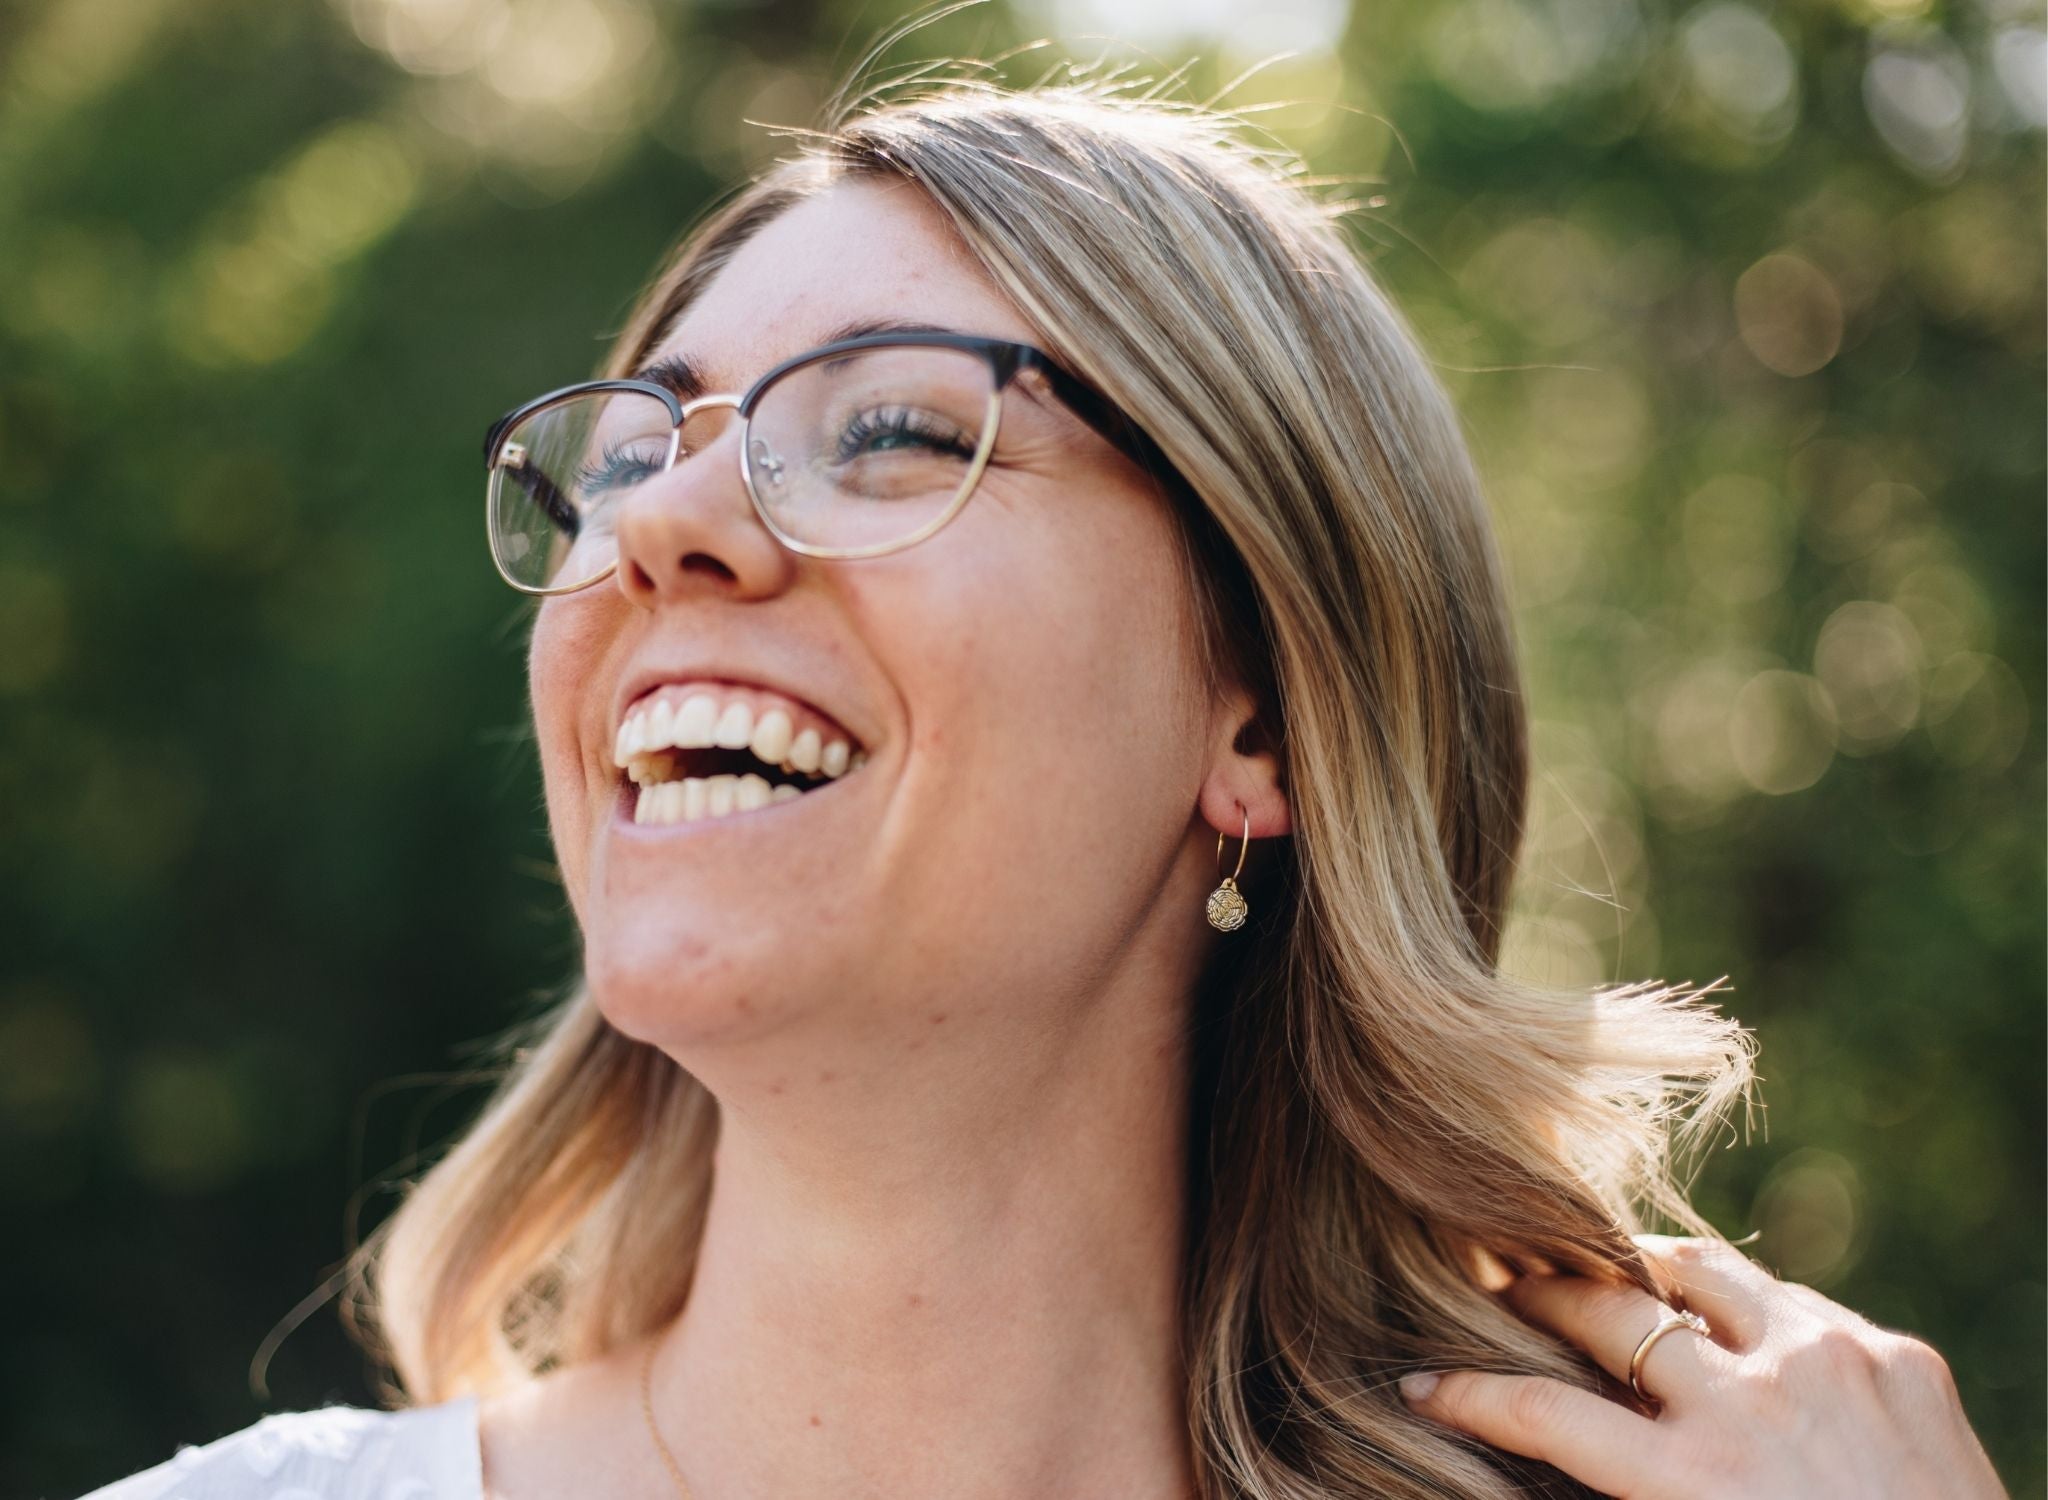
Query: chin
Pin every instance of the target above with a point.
(676, 987)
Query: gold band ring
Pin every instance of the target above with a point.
(1673, 1318)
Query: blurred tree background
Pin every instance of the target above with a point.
(1744, 305)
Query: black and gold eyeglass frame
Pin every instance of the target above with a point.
(906, 418)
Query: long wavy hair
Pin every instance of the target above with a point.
(1383, 1122)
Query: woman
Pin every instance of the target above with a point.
(1012, 538)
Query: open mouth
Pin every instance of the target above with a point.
(688, 757)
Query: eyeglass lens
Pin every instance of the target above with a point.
(854, 452)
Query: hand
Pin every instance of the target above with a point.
(1792, 1396)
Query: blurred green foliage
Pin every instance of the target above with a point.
(1743, 303)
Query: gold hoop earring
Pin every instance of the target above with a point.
(1227, 906)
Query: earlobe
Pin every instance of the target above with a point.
(1229, 801)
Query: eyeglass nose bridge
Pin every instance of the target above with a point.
(696, 404)
(700, 404)
(765, 458)
(755, 452)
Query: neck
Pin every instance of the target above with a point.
(967, 1289)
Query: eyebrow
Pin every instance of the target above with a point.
(686, 381)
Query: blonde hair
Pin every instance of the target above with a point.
(1383, 1118)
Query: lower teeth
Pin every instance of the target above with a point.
(694, 798)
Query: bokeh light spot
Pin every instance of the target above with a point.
(2019, 56)
(1868, 656)
(1976, 711)
(1743, 70)
(1789, 314)
(1782, 731)
(1690, 727)
(1544, 273)
(431, 36)
(1738, 537)
(1809, 1212)
(1947, 607)
(559, 50)
(1591, 425)
(1917, 92)
(1305, 25)
(1555, 951)
(1505, 55)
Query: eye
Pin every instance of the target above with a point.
(900, 429)
(619, 467)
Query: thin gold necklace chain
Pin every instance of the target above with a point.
(647, 1410)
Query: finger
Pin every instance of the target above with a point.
(1589, 1437)
(1609, 1321)
(1733, 1293)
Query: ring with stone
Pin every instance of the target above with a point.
(1676, 1317)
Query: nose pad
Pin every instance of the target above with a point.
(766, 463)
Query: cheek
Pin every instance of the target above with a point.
(567, 647)
(1060, 651)
(1101, 612)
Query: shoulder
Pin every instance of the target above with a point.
(332, 1453)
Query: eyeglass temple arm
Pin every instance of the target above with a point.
(550, 499)
(533, 481)
(1107, 418)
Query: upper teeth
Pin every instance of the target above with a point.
(700, 722)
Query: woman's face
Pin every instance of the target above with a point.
(1020, 691)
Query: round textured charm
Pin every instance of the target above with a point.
(1227, 908)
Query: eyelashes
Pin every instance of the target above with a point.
(928, 432)
(605, 473)
(875, 431)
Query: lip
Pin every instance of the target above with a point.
(639, 684)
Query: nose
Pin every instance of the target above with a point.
(693, 528)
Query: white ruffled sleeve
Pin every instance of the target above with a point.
(333, 1453)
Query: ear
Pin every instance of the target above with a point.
(1245, 771)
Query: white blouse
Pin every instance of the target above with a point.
(333, 1453)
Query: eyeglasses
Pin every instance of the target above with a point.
(860, 447)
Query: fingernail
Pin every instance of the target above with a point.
(1420, 1386)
